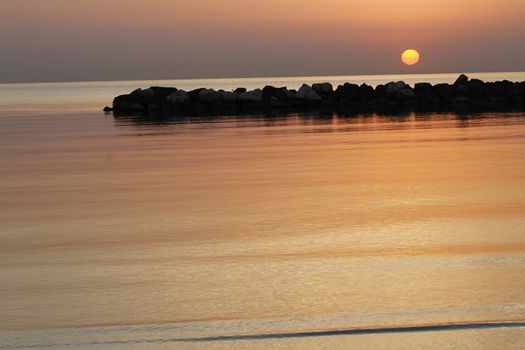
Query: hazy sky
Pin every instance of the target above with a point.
(73, 40)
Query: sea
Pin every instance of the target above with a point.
(299, 231)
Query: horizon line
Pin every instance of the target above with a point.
(252, 77)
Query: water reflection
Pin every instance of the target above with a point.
(252, 225)
(313, 122)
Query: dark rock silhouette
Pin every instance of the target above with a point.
(461, 80)
(323, 89)
(464, 95)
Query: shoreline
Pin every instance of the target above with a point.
(463, 96)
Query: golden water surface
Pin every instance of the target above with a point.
(143, 232)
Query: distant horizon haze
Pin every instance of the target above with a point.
(61, 41)
(278, 78)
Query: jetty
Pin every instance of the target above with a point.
(464, 95)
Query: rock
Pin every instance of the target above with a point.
(380, 91)
(507, 86)
(154, 107)
(424, 90)
(330, 102)
(195, 95)
(251, 96)
(393, 88)
(461, 80)
(208, 95)
(476, 88)
(444, 91)
(461, 90)
(143, 97)
(276, 97)
(476, 84)
(323, 89)
(515, 90)
(228, 96)
(464, 95)
(400, 90)
(495, 89)
(138, 100)
(422, 87)
(270, 92)
(306, 93)
(366, 92)
(406, 93)
(126, 103)
(460, 103)
(178, 97)
(516, 95)
(162, 92)
(290, 93)
(347, 92)
(521, 87)
(496, 103)
(426, 97)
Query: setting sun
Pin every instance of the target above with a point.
(410, 57)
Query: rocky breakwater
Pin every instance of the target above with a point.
(465, 95)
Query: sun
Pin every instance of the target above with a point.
(410, 57)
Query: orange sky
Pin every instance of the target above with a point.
(138, 39)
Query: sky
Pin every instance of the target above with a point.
(91, 40)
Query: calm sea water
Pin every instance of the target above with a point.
(93, 96)
(291, 232)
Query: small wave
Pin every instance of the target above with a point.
(266, 336)
(363, 331)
